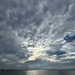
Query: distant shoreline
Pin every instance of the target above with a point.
(39, 69)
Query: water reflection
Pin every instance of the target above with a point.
(38, 72)
(35, 72)
(48, 72)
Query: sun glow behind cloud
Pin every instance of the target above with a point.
(37, 52)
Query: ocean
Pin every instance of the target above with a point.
(39, 72)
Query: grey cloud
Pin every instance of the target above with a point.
(7, 42)
(41, 21)
(43, 64)
(37, 64)
(58, 52)
(58, 7)
(10, 46)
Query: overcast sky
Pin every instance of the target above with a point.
(37, 34)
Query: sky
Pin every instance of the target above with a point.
(37, 34)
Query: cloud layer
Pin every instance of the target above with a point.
(37, 32)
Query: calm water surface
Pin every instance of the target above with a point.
(37, 72)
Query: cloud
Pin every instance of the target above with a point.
(38, 64)
(58, 52)
(36, 32)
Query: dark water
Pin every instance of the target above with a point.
(38, 72)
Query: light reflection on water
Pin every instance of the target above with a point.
(37, 72)
(48, 72)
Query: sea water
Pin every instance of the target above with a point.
(39, 72)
